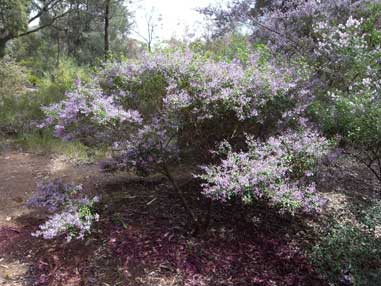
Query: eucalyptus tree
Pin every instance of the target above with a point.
(17, 17)
(95, 29)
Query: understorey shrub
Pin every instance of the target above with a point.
(280, 170)
(188, 95)
(350, 254)
(350, 106)
(13, 78)
(73, 212)
(167, 109)
(13, 89)
(21, 97)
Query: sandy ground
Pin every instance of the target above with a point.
(19, 175)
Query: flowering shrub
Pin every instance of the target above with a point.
(351, 106)
(76, 213)
(74, 221)
(177, 93)
(280, 170)
(154, 111)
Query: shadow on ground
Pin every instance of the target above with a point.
(143, 238)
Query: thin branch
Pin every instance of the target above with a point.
(367, 164)
(43, 10)
(140, 35)
(43, 26)
(295, 44)
(180, 193)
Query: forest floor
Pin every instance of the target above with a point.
(19, 174)
(143, 237)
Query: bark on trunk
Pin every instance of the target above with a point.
(106, 39)
(3, 44)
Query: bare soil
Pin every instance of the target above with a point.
(19, 174)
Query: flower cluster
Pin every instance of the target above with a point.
(86, 107)
(284, 25)
(74, 221)
(53, 195)
(350, 109)
(280, 170)
(345, 49)
(75, 212)
(347, 36)
(201, 85)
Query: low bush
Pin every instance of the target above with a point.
(350, 254)
(154, 111)
(350, 106)
(76, 212)
(13, 90)
(21, 99)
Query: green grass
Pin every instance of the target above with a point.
(44, 143)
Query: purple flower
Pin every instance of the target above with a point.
(267, 170)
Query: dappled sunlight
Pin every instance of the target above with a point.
(58, 165)
(246, 153)
(19, 175)
(12, 273)
(13, 269)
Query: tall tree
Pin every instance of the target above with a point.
(106, 28)
(79, 35)
(16, 17)
(92, 29)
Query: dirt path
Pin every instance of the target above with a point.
(19, 175)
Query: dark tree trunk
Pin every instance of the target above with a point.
(3, 44)
(58, 49)
(107, 40)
